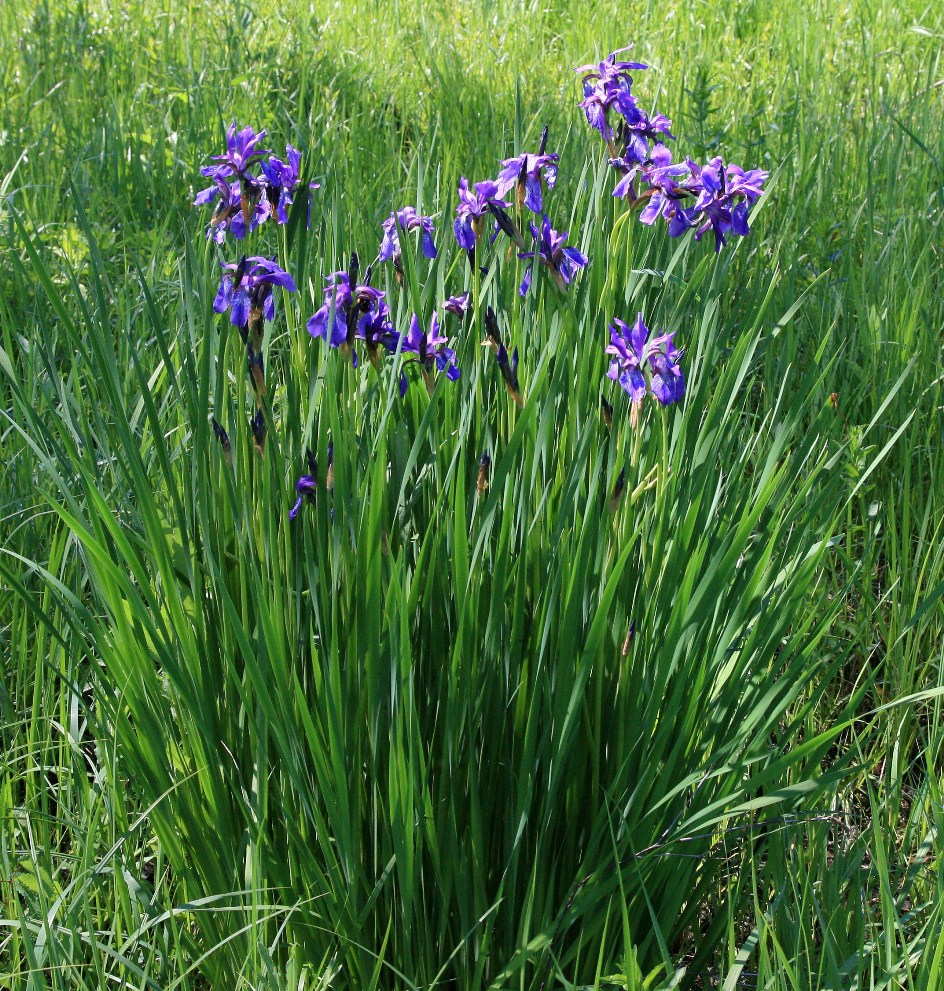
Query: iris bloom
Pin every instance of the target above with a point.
(726, 196)
(409, 220)
(524, 174)
(247, 294)
(637, 130)
(228, 214)
(474, 207)
(282, 180)
(429, 348)
(606, 85)
(722, 197)
(562, 262)
(349, 310)
(460, 306)
(242, 153)
(634, 354)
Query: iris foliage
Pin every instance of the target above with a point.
(532, 676)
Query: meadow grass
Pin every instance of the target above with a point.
(408, 740)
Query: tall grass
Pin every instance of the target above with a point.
(410, 739)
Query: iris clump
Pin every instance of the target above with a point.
(249, 188)
(642, 363)
(686, 195)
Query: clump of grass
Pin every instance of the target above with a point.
(410, 738)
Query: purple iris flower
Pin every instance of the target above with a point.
(634, 353)
(726, 197)
(247, 294)
(282, 177)
(409, 220)
(638, 129)
(429, 347)
(228, 214)
(348, 312)
(242, 151)
(472, 210)
(722, 197)
(666, 189)
(460, 306)
(524, 174)
(606, 85)
(563, 263)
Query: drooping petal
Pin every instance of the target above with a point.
(224, 295)
(525, 282)
(465, 236)
(634, 384)
(532, 198)
(426, 242)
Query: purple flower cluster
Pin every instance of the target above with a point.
(607, 92)
(686, 195)
(247, 293)
(526, 177)
(252, 186)
(249, 188)
(353, 311)
(642, 364)
(722, 196)
(359, 312)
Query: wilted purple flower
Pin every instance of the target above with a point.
(472, 210)
(459, 306)
(409, 220)
(348, 312)
(223, 437)
(485, 465)
(259, 430)
(634, 354)
(524, 174)
(429, 347)
(562, 262)
(306, 486)
(508, 366)
(247, 294)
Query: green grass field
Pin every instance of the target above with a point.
(433, 734)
